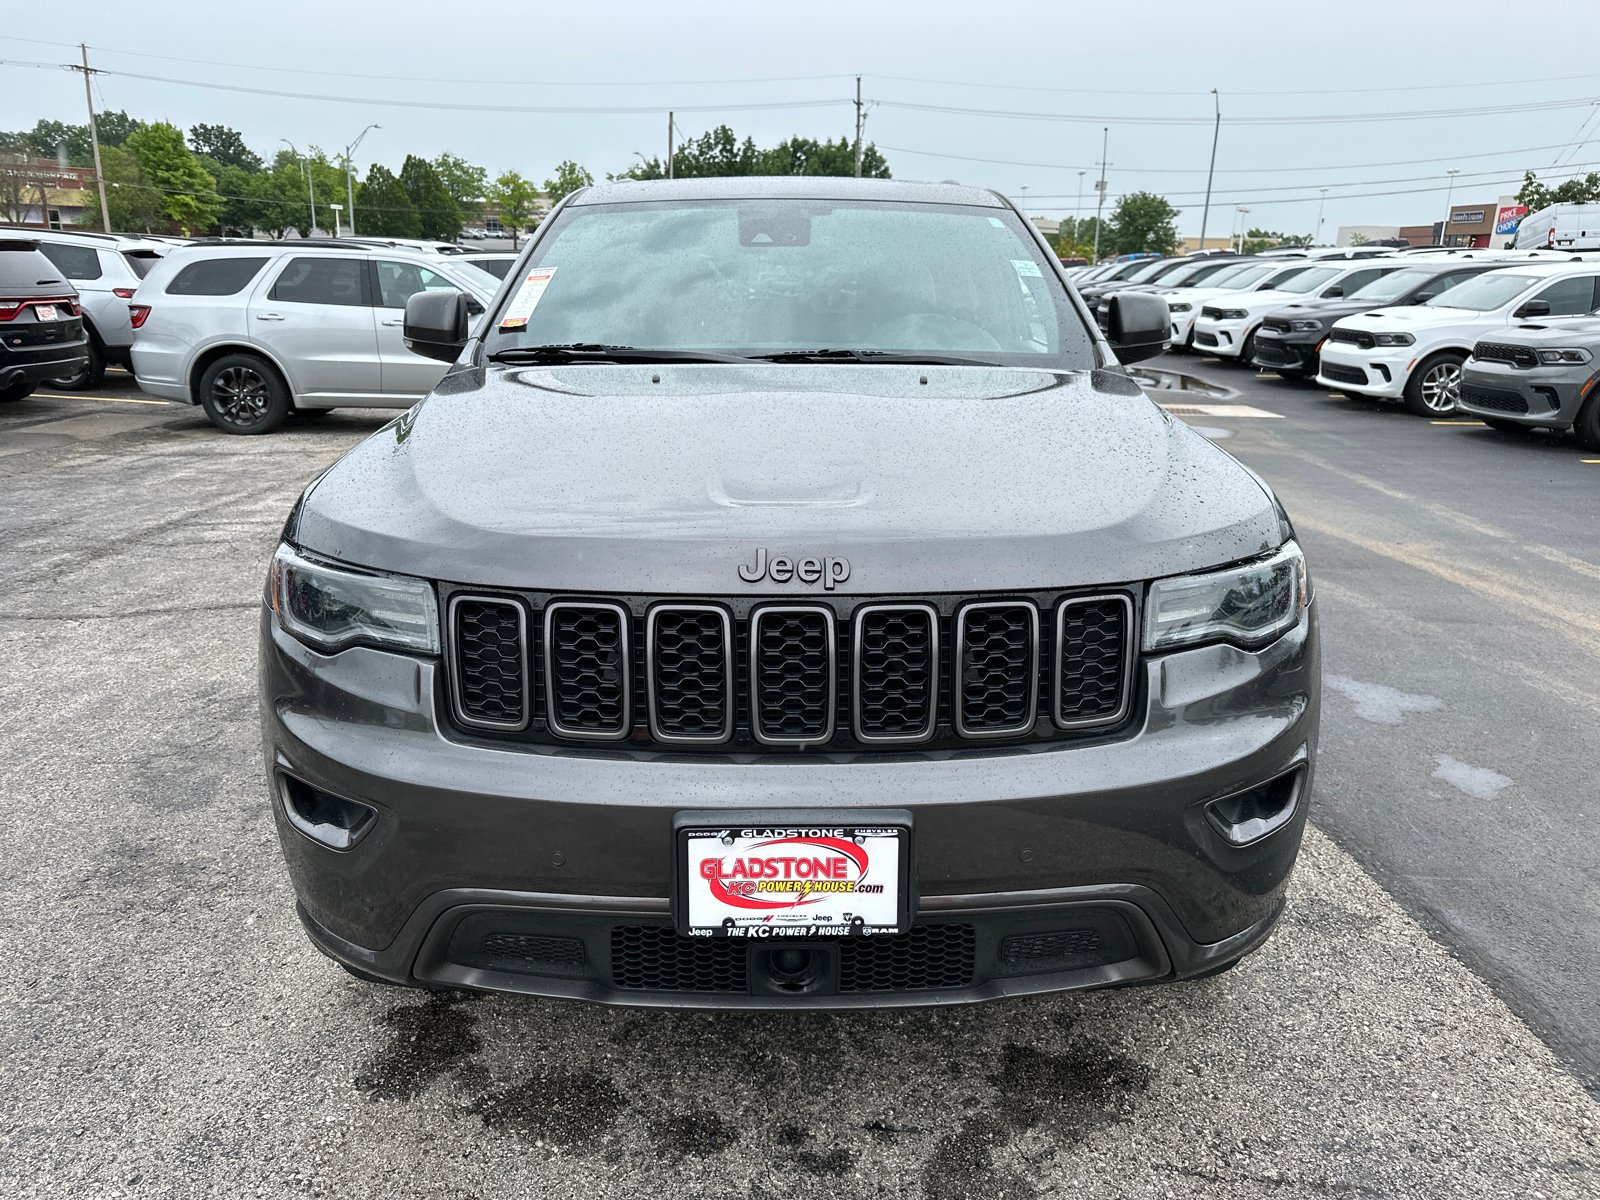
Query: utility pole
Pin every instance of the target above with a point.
(94, 138)
(1100, 186)
(310, 190)
(349, 184)
(859, 120)
(1216, 131)
(669, 145)
(1444, 230)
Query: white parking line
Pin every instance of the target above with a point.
(1219, 410)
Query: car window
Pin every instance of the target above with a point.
(1280, 276)
(1211, 274)
(75, 262)
(141, 261)
(322, 281)
(399, 281)
(779, 274)
(215, 277)
(483, 274)
(1390, 286)
(1568, 297)
(1309, 280)
(1244, 278)
(498, 268)
(22, 266)
(1159, 267)
(1488, 291)
(1359, 279)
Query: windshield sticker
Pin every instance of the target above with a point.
(527, 298)
(997, 222)
(1027, 267)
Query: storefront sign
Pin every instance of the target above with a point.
(1472, 216)
(1508, 218)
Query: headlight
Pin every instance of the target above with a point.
(1393, 339)
(1248, 605)
(1180, 306)
(1234, 314)
(1574, 355)
(334, 607)
(1305, 326)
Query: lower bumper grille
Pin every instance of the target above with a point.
(1510, 402)
(1275, 354)
(1205, 339)
(654, 959)
(927, 956)
(1342, 374)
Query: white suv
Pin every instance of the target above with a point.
(105, 268)
(253, 331)
(1414, 353)
(1227, 325)
(1188, 297)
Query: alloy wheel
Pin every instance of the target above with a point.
(241, 395)
(1441, 387)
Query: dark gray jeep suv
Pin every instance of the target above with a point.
(787, 600)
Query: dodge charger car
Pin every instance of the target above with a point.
(787, 600)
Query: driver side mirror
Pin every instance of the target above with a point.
(436, 324)
(1138, 326)
(1533, 308)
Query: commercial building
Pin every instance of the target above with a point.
(41, 192)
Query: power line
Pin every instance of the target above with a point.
(1418, 87)
(1335, 119)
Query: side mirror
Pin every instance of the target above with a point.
(436, 324)
(1534, 308)
(1138, 325)
(1423, 297)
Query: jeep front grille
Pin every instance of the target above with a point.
(750, 675)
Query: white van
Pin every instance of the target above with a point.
(1574, 226)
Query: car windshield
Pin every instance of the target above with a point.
(1244, 278)
(486, 280)
(1309, 280)
(778, 275)
(1391, 286)
(1486, 292)
(1160, 266)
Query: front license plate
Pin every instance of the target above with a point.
(45, 312)
(763, 881)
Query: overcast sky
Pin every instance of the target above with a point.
(1118, 64)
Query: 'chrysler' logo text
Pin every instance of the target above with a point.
(807, 570)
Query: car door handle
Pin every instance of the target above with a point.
(268, 317)
(399, 322)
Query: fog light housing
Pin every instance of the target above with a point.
(330, 820)
(1256, 812)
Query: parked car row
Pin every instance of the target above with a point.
(42, 333)
(1509, 336)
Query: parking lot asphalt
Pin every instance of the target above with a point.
(167, 1030)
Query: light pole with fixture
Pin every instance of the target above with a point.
(1316, 237)
(1444, 230)
(1242, 211)
(349, 185)
(310, 191)
(1077, 213)
(337, 209)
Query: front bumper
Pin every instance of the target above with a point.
(1222, 338)
(1380, 371)
(544, 870)
(1295, 352)
(1538, 397)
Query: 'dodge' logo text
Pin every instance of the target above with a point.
(789, 872)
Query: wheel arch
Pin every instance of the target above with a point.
(210, 354)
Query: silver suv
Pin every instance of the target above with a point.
(106, 269)
(252, 331)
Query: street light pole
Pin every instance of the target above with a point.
(1105, 141)
(349, 184)
(669, 145)
(1077, 212)
(1243, 212)
(1216, 132)
(1317, 236)
(1444, 230)
(310, 191)
(1024, 202)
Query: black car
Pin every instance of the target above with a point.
(788, 600)
(1290, 339)
(41, 327)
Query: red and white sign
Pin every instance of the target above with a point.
(788, 882)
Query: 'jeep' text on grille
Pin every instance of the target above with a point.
(807, 570)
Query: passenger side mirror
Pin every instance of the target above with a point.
(1333, 292)
(436, 324)
(1138, 326)
(1534, 308)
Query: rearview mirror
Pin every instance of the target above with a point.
(436, 324)
(1138, 325)
(1534, 308)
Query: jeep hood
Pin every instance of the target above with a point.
(665, 479)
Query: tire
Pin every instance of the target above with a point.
(1434, 385)
(91, 376)
(1501, 425)
(243, 394)
(17, 391)
(1247, 351)
(1587, 427)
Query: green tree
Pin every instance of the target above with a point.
(48, 136)
(115, 128)
(1572, 191)
(437, 215)
(1258, 240)
(467, 184)
(224, 146)
(277, 201)
(807, 156)
(516, 201)
(189, 194)
(569, 178)
(136, 205)
(1142, 221)
(721, 153)
(385, 206)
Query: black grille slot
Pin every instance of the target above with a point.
(1517, 356)
(998, 646)
(1092, 639)
(1032, 947)
(792, 669)
(530, 948)
(1509, 402)
(1353, 337)
(1268, 352)
(587, 656)
(926, 956)
(491, 668)
(1342, 374)
(1206, 339)
(650, 958)
(691, 674)
(896, 673)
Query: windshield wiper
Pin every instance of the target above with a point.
(574, 352)
(873, 356)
